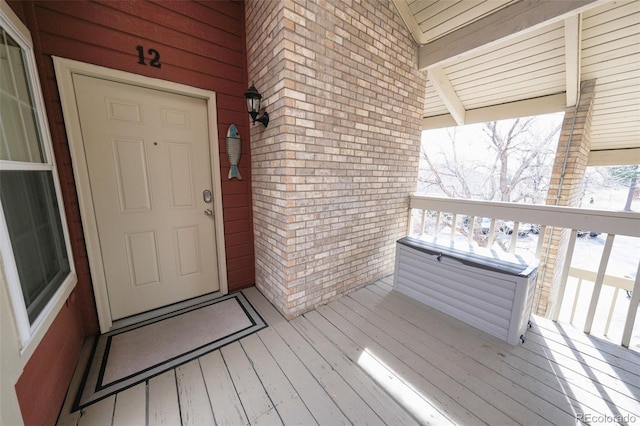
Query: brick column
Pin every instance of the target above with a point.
(565, 188)
(332, 173)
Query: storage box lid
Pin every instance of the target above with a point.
(475, 256)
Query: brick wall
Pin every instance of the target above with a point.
(565, 189)
(333, 171)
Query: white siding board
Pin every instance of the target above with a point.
(552, 73)
(614, 30)
(613, 50)
(608, 12)
(522, 64)
(543, 89)
(431, 11)
(517, 48)
(456, 17)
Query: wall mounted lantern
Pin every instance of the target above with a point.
(253, 98)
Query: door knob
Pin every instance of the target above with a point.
(208, 212)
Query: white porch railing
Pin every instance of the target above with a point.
(504, 223)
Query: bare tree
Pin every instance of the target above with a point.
(513, 162)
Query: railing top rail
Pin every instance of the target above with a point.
(619, 223)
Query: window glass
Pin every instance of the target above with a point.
(33, 220)
(19, 137)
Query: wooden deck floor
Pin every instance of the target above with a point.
(378, 357)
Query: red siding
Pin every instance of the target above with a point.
(201, 44)
(42, 386)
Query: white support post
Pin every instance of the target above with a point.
(597, 286)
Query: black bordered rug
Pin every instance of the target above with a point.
(133, 354)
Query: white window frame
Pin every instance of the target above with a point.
(31, 334)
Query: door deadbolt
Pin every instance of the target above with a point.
(208, 212)
(206, 196)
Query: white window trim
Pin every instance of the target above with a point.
(29, 334)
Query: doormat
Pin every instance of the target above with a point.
(125, 357)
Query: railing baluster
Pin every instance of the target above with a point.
(454, 222)
(633, 309)
(437, 230)
(541, 232)
(423, 221)
(557, 304)
(472, 223)
(514, 237)
(492, 231)
(612, 308)
(575, 300)
(597, 286)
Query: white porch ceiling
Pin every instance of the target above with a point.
(496, 59)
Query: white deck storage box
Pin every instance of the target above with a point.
(489, 293)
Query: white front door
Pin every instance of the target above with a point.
(149, 169)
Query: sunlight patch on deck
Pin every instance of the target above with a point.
(413, 401)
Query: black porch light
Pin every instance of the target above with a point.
(253, 97)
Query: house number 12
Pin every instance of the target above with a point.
(154, 61)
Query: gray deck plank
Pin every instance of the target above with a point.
(255, 400)
(376, 356)
(497, 390)
(389, 410)
(285, 398)
(195, 407)
(581, 396)
(226, 405)
(163, 403)
(322, 406)
(131, 406)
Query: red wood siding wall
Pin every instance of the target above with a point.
(201, 44)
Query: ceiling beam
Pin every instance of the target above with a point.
(410, 20)
(525, 108)
(614, 157)
(572, 55)
(514, 20)
(447, 94)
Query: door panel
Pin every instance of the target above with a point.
(149, 162)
